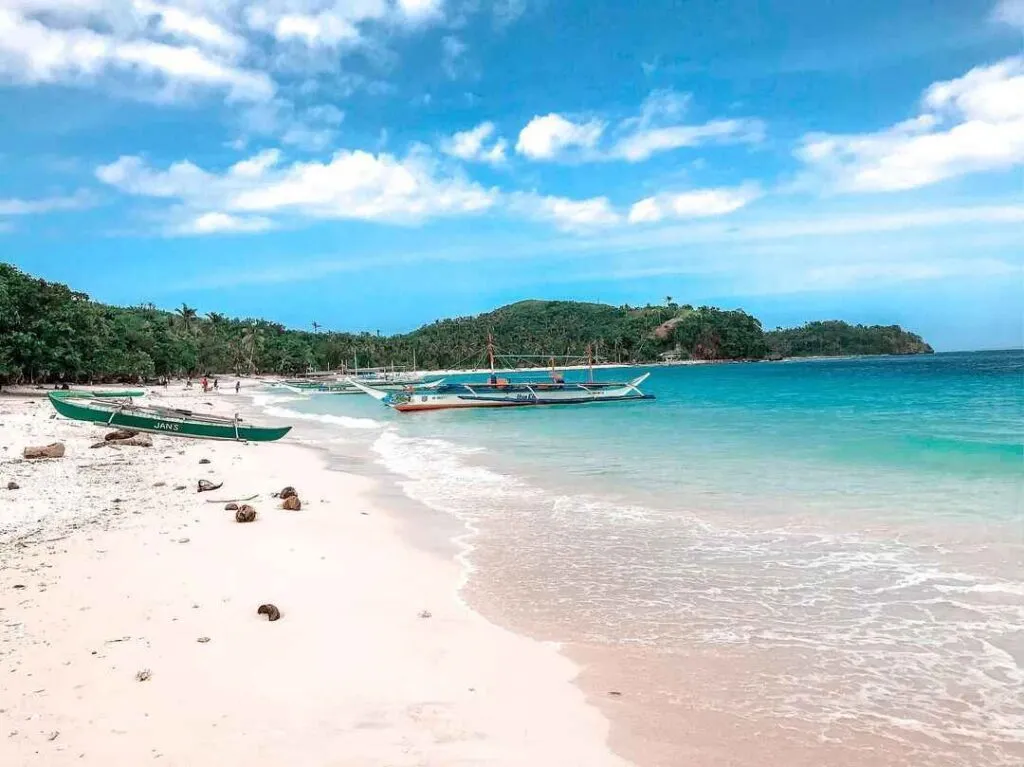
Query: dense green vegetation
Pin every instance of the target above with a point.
(834, 338)
(50, 332)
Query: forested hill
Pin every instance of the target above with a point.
(50, 332)
(836, 338)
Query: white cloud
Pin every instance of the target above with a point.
(645, 142)
(547, 137)
(18, 207)
(1010, 12)
(351, 185)
(215, 222)
(698, 203)
(169, 50)
(181, 23)
(417, 11)
(254, 167)
(312, 129)
(471, 145)
(567, 214)
(657, 128)
(824, 227)
(322, 30)
(32, 53)
(970, 124)
(839, 276)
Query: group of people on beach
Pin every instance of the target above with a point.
(205, 383)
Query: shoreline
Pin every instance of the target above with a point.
(350, 674)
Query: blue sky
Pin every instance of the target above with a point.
(376, 164)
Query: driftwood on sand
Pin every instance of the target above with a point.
(56, 450)
(232, 500)
(121, 434)
(140, 440)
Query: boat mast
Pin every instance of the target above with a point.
(490, 351)
(590, 362)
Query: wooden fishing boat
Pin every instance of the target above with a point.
(500, 392)
(175, 422)
(348, 386)
(84, 394)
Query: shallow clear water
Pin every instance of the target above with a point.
(845, 537)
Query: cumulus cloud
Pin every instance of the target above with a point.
(697, 203)
(351, 185)
(472, 145)
(34, 52)
(657, 128)
(184, 47)
(183, 24)
(969, 124)
(548, 137)
(567, 214)
(418, 11)
(216, 222)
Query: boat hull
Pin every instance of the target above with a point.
(470, 403)
(172, 425)
(460, 396)
(82, 394)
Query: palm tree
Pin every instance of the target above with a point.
(316, 327)
(187, 314)
(215, 317)
(252, 339)
(668, 300)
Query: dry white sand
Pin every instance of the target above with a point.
(107, 570)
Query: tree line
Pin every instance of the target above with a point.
(49, 332)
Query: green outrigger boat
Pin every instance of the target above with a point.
(160, 420)
(83, 394)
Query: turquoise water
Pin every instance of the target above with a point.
(848, 532)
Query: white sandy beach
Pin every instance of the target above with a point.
(107, 570)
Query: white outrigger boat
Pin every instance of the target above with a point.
(351, 385)
(500, 392)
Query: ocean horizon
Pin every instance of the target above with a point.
(830, 550)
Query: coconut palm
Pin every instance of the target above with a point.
(252, 341)
(187, 314)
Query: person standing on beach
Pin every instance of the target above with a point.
(238, 385)
(215, 384)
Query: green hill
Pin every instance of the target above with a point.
(837, 338)
(50, 332)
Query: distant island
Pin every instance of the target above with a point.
(50, 332)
